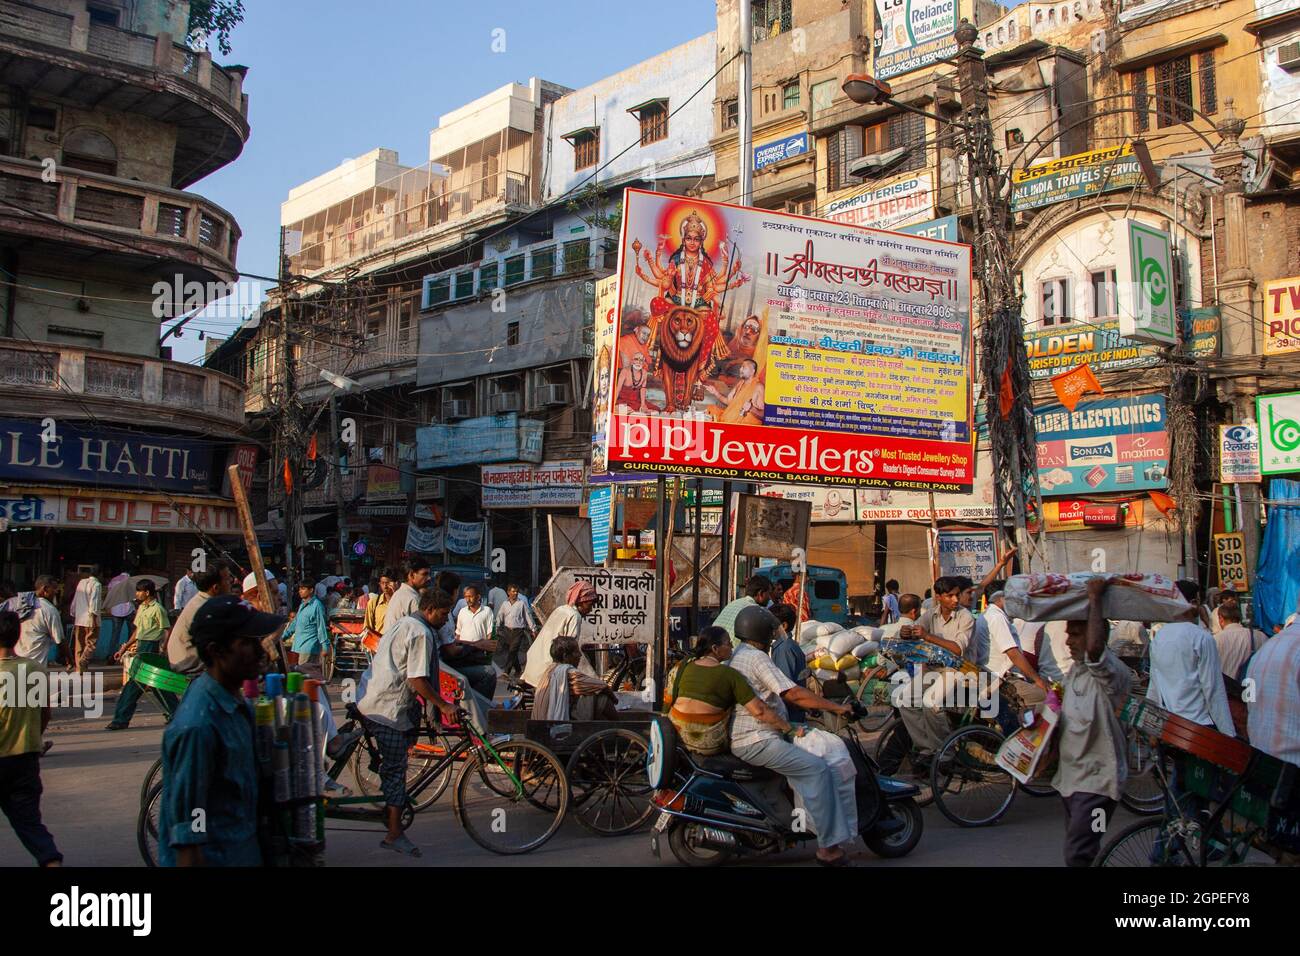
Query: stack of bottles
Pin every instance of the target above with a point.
(289, 737)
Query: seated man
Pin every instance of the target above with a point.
(948, 626)
(819, 788)
(566, 693)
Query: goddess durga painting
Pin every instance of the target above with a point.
(685, 313)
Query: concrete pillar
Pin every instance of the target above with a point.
(80, 38)
(162, 53)
(1236, 287)
(205, 70)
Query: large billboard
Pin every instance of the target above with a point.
(783, 348)
(1055, 350)
(911, 34)
(1075, 177)
(1112, 444)
(1282, 316)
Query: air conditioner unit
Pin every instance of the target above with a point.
(553, 395)
(506, 402)
(1288, 56)
(457, 409)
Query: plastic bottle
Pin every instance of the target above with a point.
(317, 696)
(304, 771)
(250, 691)
(275, 693)
(264, 717)
(280, 768)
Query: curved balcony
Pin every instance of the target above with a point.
(108, 216)
(48, 53)
(49, 379)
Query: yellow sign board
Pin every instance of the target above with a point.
(1282, 316)
(1230, 552)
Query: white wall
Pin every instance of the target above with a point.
(512, 106)
(1279, 97)
(350, 177)
(674, 74)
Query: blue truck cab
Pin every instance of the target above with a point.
(828, 590)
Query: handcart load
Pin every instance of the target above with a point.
(843, 654)
(1064, 597)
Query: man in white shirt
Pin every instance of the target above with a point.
(564, 621)
(909, 610)
(185, 591)
(1186, 673)
(87, 611)
(514, 631)
(405, 665)
(475, 621)
(470, 652)
(1235, 641)
(42, 627)
(1007, 661)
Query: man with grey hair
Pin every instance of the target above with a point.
(42, 627)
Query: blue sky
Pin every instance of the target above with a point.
(332, 79)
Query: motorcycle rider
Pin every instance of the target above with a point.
(760, 744)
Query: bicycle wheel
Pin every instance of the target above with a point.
(970, 789)
(152, 777)
(423, 758)
(1142, 792)
(1140, 844)
(146, 825)
(512, 802)
(894, 758)
(608, 785)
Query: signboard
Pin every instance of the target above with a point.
(836, 355)
(1279, 433)
(945, 229)
(425, 540)
(1146, 287)
(1074, 177)
(246, 461)
(625, 603)
(769, 154)
(970, 553)
(1113, 444)
(886, 504)
(1201, 331)
(1230, 554)
(1239, 453)
(552, 484)
(911, 34)
(107, 512)
(1282, 316)
(429, 489)
(771, 527)
(479, 441)
(905, 201)
(102, 456)
(464, 537)
(1083, 515)
(600, 509)
(384, 483)
(828, 504)
(1099, 344)
(602, 381)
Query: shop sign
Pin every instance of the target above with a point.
(1145, 271)
(970, 553)
(1239, 453)
(912, 34)
(945, 229)
(1113, 444)
(1074, 177)
(1230, 552)
(1201, 330)
(475, 441)
(600, 511)
(384, 483)
(552, 484)
(769, 154)
(625, 603)
(828, 504)
(1099, 344)
(1282, 316)
(1279, 433)
(1075, 515)
(108, 512)
(900, 203)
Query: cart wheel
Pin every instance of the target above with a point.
(608, 783)
(1140, 845)
(146, 826)
(970, 789)
(154, 776)
(421, 758)
(1142, 792)
(512, 802)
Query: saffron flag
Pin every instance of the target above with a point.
(1162, 501)
(1073, 385)
(1006, 396)
(288, 478)
(311, 448)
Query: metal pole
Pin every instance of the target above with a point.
(658, 658)
(699, 532)
(724, 573)
(345, 566)
(536, 548)
(744, 105)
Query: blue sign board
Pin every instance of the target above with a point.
(945, 229)
(103, 456)
(600, 509)
(769, 154)
(477, 441)
(1112, 444)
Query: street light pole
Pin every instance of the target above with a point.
(744, 105)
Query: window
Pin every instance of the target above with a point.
(90, 150)
(374, 323)
(544, 262)
(730, 114)
(487, 275)
(1174, 91)
(514, 270)
(586, 148)
(654, 122)
(823, 94)
(41, 117)
(902, 130)
(512, 333)
(842, 148)
(1054, 294)
(1103, 297)
(577, 255)
(1209, 89)
(1141, 104)
(1183, 85)
(772, 18)
(464, 285)
(790, 95)
(405, 319)
(102, 16)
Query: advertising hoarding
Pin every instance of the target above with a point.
(1279, 433)
(906, 201)
(1112, 444)
(911, 34)
(828, 504)
(1099, 344)
(777, 151)
(1282, 316)
(1074, 177)
(1146, 284)
(1239, 453)
(789, 349)
(970, 553)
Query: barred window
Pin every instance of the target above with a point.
(1141, 104)
(1209, 87)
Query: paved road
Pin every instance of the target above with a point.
(92, 781)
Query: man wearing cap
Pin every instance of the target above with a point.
(209, 760)
(564, 621)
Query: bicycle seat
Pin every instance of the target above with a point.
(729, 767)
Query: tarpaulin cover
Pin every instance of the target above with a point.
(1277, 580)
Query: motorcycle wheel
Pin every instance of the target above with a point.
(901, 842)
(683, 840)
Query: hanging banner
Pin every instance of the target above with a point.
(1084, 515)
(892, 206)
(1099, 344)
(604, 343)
(1114, 444)
(464, 537)
(1239, 453)
(425, 540)
(793, 350)
(1071, 386)
(1073, 177)
(970, 553)
(552, 484)
(1279, 433)
(828, 504)
(600, 509)
(1230, 555)
(478, 440)
(911, 34)
(1282, 316)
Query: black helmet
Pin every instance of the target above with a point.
(756, 624)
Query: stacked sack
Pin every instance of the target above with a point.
(839, 654)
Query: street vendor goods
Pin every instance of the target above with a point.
(1064, 597)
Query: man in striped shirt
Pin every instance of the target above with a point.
(1274, 714)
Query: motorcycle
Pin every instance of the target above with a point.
(713, 809)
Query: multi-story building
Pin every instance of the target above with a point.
(505, 362)
(114, 454)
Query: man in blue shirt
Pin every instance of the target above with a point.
(309, 627)
(208, 814)
(789, 657)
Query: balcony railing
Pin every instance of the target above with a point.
(75, 32)
(111, 205)
(44, 374)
